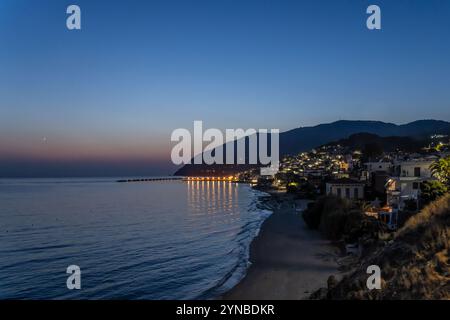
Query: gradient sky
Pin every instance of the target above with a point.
(104, 100)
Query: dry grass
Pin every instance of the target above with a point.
(416, 265)
(434, 211)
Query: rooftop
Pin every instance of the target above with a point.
(345, 181)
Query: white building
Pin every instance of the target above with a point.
(419, 168)
(405, 185)
(401, 189)
(345, 188)
(372, 167)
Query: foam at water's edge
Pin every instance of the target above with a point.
(239, 270)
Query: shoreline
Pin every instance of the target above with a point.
(288, 260)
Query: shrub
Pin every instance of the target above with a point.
(329, 215)
(339, 218)
(431, 190)
(332, 223)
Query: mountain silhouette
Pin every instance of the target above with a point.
(306, 138)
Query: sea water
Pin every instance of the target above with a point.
(143, 240)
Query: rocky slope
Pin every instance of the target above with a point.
(414, 265)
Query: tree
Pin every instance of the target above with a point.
(440, 169)
(292, 187)
(431, 190)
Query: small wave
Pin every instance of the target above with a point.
(250, 230)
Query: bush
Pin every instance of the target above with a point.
(313, 214)
(338, 218)
(431, 190)
(292, 187)
(329, 215)
(332, 223)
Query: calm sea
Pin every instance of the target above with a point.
(144, 240)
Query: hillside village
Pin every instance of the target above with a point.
(390, 186)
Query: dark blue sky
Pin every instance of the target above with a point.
(110, 95)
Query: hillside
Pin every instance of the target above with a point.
(307, 138)
(387, 144)
(415, 265)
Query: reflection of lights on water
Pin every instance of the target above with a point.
(229, 178)
(205, 195)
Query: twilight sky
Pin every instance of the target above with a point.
(104, 100)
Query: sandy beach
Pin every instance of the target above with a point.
(289, 261)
